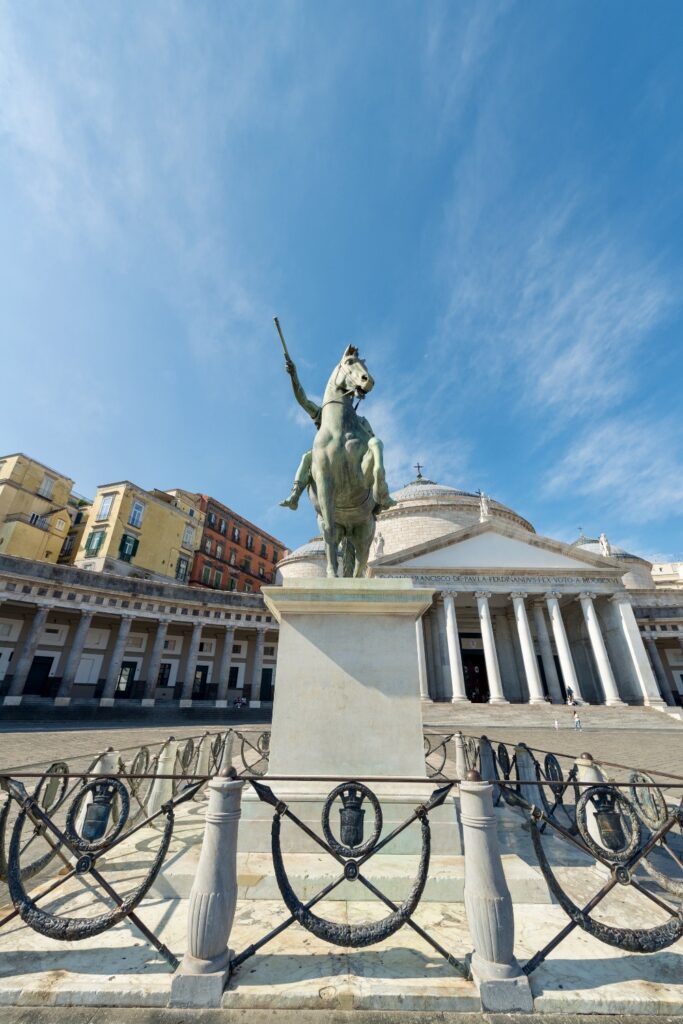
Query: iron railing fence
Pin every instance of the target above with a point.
(73, 824)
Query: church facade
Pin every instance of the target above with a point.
(518, 617)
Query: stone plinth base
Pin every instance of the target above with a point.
(347, 699)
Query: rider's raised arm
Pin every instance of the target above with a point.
(311, 408)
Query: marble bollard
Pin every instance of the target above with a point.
(226, 753)
(204, 759)
(503, 988)
(526, 773)
(205, 968)
(589, 772)
(162, 789)
(460, 756)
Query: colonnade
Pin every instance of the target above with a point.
(498, 644)
(120, 627)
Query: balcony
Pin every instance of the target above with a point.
(40, 522)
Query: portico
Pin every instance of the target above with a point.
(520, 618)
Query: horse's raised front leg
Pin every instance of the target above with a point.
(373, 466)
(328, 527)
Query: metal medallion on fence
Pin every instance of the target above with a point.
(435, 747)
(352, 848)
(254, 752)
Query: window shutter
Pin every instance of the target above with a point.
(136, 544)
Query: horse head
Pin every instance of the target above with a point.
(351, 375)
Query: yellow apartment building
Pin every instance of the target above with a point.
(134, 532)
(36, 508)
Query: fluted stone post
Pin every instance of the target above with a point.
(421, 660)
(25, 656)
(454, 656)
(496, 695)
(460, 756)
(257, 667)
(224, 667)
(609, 683)
(162, 789)
(589, 772)
(74, 658)
(204, 755)
(551, 676)
(226, 753)
(533, 679)
(155, 662)
(562, 644)
(114, 670)
(191, 665)
(502, 986)
(526, 772)
(204, 970)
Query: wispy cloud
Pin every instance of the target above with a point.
(632, 467)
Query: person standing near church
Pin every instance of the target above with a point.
(577, 721)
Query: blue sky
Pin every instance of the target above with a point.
(485, 197)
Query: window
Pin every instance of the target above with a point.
(39, 521)
(207, 545)
(275, 555)
(247, 588)
(136, 514)
(235, 535)
(94, 542)
(264, 551)
(269, 652)
(67, 546)
(164, 674)
(246, 564)
(212, 518)
(219, 550)
(128, 547)
(233, 557)
(206, 574)
(218, 578)
(223, 526)
(60, 524)
(261, 571)
(250, 542)
(181, 569)
(188, 536)
(105, 508)
(232, 583)
(47, 486)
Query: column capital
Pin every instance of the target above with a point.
(522, 594)
(618, 599)
(586, 595)
(550, 594)
(482, 593)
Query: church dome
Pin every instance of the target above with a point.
(426, 510)
(637, 570)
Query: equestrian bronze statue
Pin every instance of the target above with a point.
(344, 471)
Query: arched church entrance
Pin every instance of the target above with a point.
(474, 669)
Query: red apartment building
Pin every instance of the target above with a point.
(234, 554)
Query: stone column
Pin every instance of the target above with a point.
(191, 665)
(155, 662)
(224, 667)
(443, 651)
(562, 643)
(203, 973)
(551, 676)
(162, 789)
(658, 667)
(26, 655)
(454, 656)
(421, 660)
(533, 679)
(609, 684)
(114, 670)
(74, 658)
(434, 660)
(257, 666)
(503, 987)
(496, 695)
(634, 643)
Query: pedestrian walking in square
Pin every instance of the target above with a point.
(577, 721)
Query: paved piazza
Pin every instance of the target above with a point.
(655, 745)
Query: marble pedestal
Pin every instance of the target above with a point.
(347, 697)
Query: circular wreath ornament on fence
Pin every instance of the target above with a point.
(351, 858)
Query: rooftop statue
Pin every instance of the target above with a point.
(344, 471)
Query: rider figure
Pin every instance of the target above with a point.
(303, 473)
